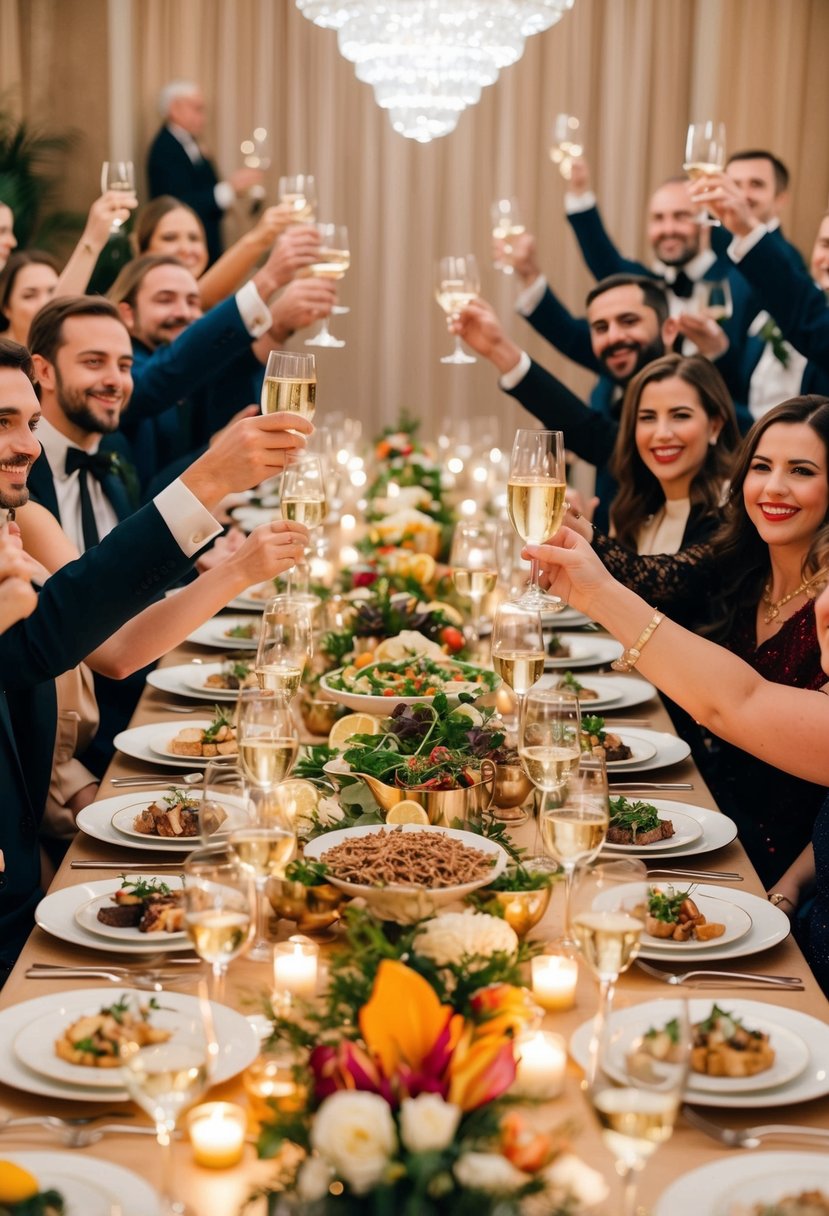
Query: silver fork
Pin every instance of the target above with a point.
(77, 1133)
(146, 981)
(753, 1137)
(713, 979)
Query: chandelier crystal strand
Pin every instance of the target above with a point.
(427, 60)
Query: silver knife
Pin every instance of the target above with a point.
(650, 785)
(129, 866)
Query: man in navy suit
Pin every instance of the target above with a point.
(177, 165)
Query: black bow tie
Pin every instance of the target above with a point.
(682, 286)
(99, 464)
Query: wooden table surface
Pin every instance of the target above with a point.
(220, 1192)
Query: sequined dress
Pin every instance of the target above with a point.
(816, 944)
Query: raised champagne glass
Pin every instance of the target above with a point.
(536, 500)
(299, 192)
(118, 175)
(506, 226)
(290, 384)
(219, 908)
(474, 570)
(457, 283)
(704, 156)
(573, 823)
(565, 143)
(303, 497)
(332, 261)
(549, 744)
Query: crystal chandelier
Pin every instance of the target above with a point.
(427, 60)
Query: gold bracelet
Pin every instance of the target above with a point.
(628, 659)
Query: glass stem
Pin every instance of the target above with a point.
(323, 329)
(170, 1206)
(629, 1190)
(219, 974)
(535, 571)
(458, 346)
(261, 914)
(569, 871)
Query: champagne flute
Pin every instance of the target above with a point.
(457, 283)
(549, 743)
(607, 915)
(574, 823)
(290, 384)
(266, 735)
(518, 648)
(166, 1078)
(302, 497)
(474, 571)
(118, 175)
(223, 795)
(636, 1093)
(565, 143)
(506, 224)
(536, 493)
(299, 191)
(333, 260)
(256, 156)
(219, 908)
(705, 155)
(264, 844)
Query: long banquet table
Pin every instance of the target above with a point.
(221, 1192)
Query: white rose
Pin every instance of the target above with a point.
(427, 1123)
(489, 1172)
(355, 1132)
(313, 1179)
(329, 811)
(569, 1177)
(454, 935)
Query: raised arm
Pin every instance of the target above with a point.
(112, 205)
(224, 276)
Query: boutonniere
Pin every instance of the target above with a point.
(124, 470)
(771, 333)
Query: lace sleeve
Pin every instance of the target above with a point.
(677, 583)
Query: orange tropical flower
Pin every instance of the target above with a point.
(502, 1009)
(481, 1069)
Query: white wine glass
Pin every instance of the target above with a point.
(219, 908)
(457, 283)
(299, 192)
(549, 744)
(474, 570)
(607, 916)
(712, 298)
(303, 500)
(565, 143)
(266, 736)
(536, 499)
(704, 156)
(332, 261)
(635, 1083)
(506, 225)
(573, 822)
(118, 175)
(165, 1078)
(223, 799)
(265, 844)
(290, 384)
(518, 648)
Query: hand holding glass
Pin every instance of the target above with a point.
(290, 384)
(457, 283)
(705, 155)
(333, 260)
(118, 175)
(506, 225)
(565, 143)
(299, 192)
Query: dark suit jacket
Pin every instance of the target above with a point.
(79, 607)
(171, 171)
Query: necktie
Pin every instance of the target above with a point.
(98, 465)
(682, 286)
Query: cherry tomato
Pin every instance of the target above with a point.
(452, 638)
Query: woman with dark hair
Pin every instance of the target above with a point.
(671, 461)
(27, 282)
(752, 588)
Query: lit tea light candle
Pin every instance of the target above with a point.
(554, 979)
(271, 1081)
(295, 966)
(542, 1060)
(217, 1134)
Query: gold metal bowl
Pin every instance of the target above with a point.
(314, 909)
(523, 909)
(512, 787)
(443, 807)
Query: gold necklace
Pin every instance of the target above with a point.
(773, 608)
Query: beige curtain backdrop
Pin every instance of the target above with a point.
(635, 71)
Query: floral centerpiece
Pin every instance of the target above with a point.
(405, 498)
(410, 1058)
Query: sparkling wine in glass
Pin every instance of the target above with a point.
(219, 908)
(607, 916)
(299, 192)
(506, 226)
(536, 499)
(457, 283)
(118, 175)
(704, 156)
(266, 736)
(565, 143)
(573, 822)
(635, 1085)
(333, 260)
(474, 570)
(549, 744)
(303, 497)
(518, 648)
(290, 384)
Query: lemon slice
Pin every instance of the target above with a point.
(422, 567)
(450, 612)
(297, 797)
(354, 724)
(16, 1184)
(407, 811)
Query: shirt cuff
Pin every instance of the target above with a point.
(224, 194)
(741, 245)
(191, 524)
(253, 310)
(516, 374)
(531, 297)
(574, 204)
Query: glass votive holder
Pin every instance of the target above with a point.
(554, 980)
(274, 1081)
(295, 969)
(217, 1133)
(541, 1065)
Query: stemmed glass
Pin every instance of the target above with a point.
(290, 384)
(607, 910)
(457, 283)
(219, 908)
(302, 496)
(474, 570)
(549, 743)
(257, 156)
(564, 143)
(299, 191)
(704, 156)
(333, 260)
(506, 224)
(518, 648)
(266, 736)
(166, 1078)
(536, 499)
(636, 1093)
(712, 298)
(574, 821)
(118, 175)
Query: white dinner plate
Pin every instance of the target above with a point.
(255, 598)
(687, 831)
(187, 680)
(90, 1186)
(124, 819)
(716, 911)
(111, 819)
(714, 831)
(161, 743)
(138, 741)
(641, 750)
(670, 749)
(586, 650)
(626, 691)
(214, 633)
(87, 917)
(610, 692)
(768, 927)
(55, 914)
(238, 1044)
(743, 1179)
(811, 1080)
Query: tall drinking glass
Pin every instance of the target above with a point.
(607, 911)
(118, 175)
(290, 384)
(549, 744)
(536, 499)
(219, 908)
(333, 260)
(299, 191)
(506, 226)
(285, 644)
(474, 570)
(457, 283)
(704, 156)
(518, 648)
(565, 143)
(573, 822)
